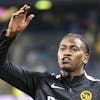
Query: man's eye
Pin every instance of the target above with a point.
(74, 49)
(61, 48)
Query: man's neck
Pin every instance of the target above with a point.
(71, 75)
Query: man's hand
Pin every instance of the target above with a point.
(19, 21)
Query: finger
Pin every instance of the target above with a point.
(23, 10)
(26, 9)
(23, 7)
(19, 12)
(14, 15)
(29, 18)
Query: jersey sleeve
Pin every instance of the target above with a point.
(16, 75)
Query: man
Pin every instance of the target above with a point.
(71, 84)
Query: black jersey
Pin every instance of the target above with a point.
(45, 86)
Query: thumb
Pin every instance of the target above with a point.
(29, 18)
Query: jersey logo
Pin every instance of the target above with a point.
(86, 95)
(56, 87)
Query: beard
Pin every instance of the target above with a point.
(67, 69)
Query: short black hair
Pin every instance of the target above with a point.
(81, 37)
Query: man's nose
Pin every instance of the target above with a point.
(67, 53)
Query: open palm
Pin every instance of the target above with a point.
(19, 21)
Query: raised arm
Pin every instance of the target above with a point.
(11, 73)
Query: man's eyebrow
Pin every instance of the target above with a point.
(75, 46)
(62, 45)
(72, 45)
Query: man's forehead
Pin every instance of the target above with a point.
(71, 40)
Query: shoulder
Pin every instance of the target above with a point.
(45, 75)
(91, 78)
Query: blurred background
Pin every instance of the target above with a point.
(36, 47)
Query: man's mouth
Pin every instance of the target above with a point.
(66, 60)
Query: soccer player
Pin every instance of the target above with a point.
(72, 83)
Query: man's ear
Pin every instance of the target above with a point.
(86, 58)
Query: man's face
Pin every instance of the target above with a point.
(71, 54)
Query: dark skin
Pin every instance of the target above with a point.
(70, 47)
(72, 56)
